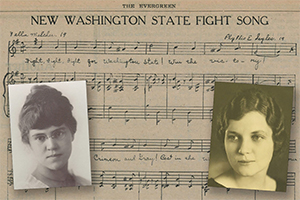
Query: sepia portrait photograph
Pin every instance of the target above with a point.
(50, 135)
(250, 136)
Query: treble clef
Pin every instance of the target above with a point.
(12, 49)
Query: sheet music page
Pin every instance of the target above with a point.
(150, 69)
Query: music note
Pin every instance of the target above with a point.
(211, 114)
(174, 49)
(145, 112)
(195, 46)
(191, 144)
(74, 77)
(94, 81)
(233, 79)
(197, 86)
(146, 184)
(53, 78)
(114, 185)
(111, 44)
(36, 78)
(173, 118)
(188, 118)
(137, 46)
(177, 144)
(293, 115)
(145, 144)
(220, 47)
(191, 181)
(108, 113)
(121, 48)
(176, 83)
(205, 188)
(125, 116)
(76, 45)
(190, 86)
(217, 49)
(98, 86)
(115, 143)
(212, 88)
(276, 52)
(177, 181)
(150, 47)
(96, 44)
(101, 146)
(167, 141)
(36, 42)
(279, 81)
(23, 47)
(130, 145)
(156, 184)
(57, 45)
(131, 179)
(157, 119)
(165, 178)
(238, 47)
(256, 49)
(136, 79)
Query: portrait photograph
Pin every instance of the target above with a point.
(50, 135)
(250, 136)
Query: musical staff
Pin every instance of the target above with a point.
(152, 145)
(146, 179)
(117, 82)
(129, 112)
(151, 48)
(158, 179)
(291, 179)
(123, 82)
(292, 146)
(157, 145)
(149, 145)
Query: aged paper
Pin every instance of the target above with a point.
(150, 69)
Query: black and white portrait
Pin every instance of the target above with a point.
(250, 136)
(50, 136)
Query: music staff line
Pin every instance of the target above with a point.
(157, 145)
(158, 179)
(151, 48)
(158, 113)
(119, 82)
